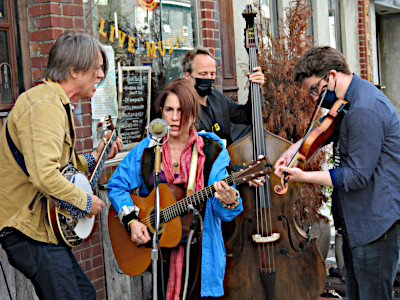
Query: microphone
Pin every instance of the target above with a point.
(158, 128)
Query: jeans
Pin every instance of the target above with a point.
(371, 268)
(53, 269)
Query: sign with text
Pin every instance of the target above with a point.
(135, 103)
(104, 101)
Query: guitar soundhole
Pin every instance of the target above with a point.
(162, 227)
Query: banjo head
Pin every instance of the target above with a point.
(84, 225)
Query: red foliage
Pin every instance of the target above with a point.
(288, 107)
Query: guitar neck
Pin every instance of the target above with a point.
(102, 159)
(260, 167)
(181, 207)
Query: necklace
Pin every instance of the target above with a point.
(177, 152)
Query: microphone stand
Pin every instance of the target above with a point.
(154, 251)
(158, 129)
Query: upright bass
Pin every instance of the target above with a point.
(269, 256)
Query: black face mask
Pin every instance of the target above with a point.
(330, 98)
(204, 86)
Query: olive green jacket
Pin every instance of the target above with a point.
(39, 127)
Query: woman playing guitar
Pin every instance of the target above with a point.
(179, 108)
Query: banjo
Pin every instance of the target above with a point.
(69, 231)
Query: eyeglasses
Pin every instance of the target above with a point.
(314, 89)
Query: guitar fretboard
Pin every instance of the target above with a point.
(260, 167)
(181, 207)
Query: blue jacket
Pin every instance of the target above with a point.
(128, 177)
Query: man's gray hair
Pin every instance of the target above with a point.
(77, 51)
(187, 60)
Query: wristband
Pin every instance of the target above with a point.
(230, 206)
(127, 215)
(128, 219)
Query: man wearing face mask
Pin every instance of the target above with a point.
(217, 111)
(366, 181)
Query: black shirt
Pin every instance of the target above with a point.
(220, 112)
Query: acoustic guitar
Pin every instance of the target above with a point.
(69, 231)
(135, 259)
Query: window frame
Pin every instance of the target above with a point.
(8, 25)
(334, 8)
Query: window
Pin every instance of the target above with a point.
(155, 33)
(8, 65)
(270, 15)
(334, 25)
(152, 37)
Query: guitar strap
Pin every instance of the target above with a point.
(19, 157)
(71, 127)
(68, 111)
(192, 171)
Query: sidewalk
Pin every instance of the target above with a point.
(335, 288)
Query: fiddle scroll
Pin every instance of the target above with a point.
(314, 140)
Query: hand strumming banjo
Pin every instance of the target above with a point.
(70, 231)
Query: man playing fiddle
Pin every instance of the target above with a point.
(366, 182)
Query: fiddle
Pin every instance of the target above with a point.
(314, 140)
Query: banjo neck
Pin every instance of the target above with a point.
(94, 177)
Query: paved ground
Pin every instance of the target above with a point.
(335, 287)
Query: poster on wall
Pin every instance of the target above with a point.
(135, 103)
(104, 102)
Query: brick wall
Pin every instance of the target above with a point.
(365, 39)
(211, 33)
(90, 253)
(47, 21)
(83, 126)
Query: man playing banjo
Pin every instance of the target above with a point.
(37, 142)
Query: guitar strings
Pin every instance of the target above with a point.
(180, 206)
(263, 217)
